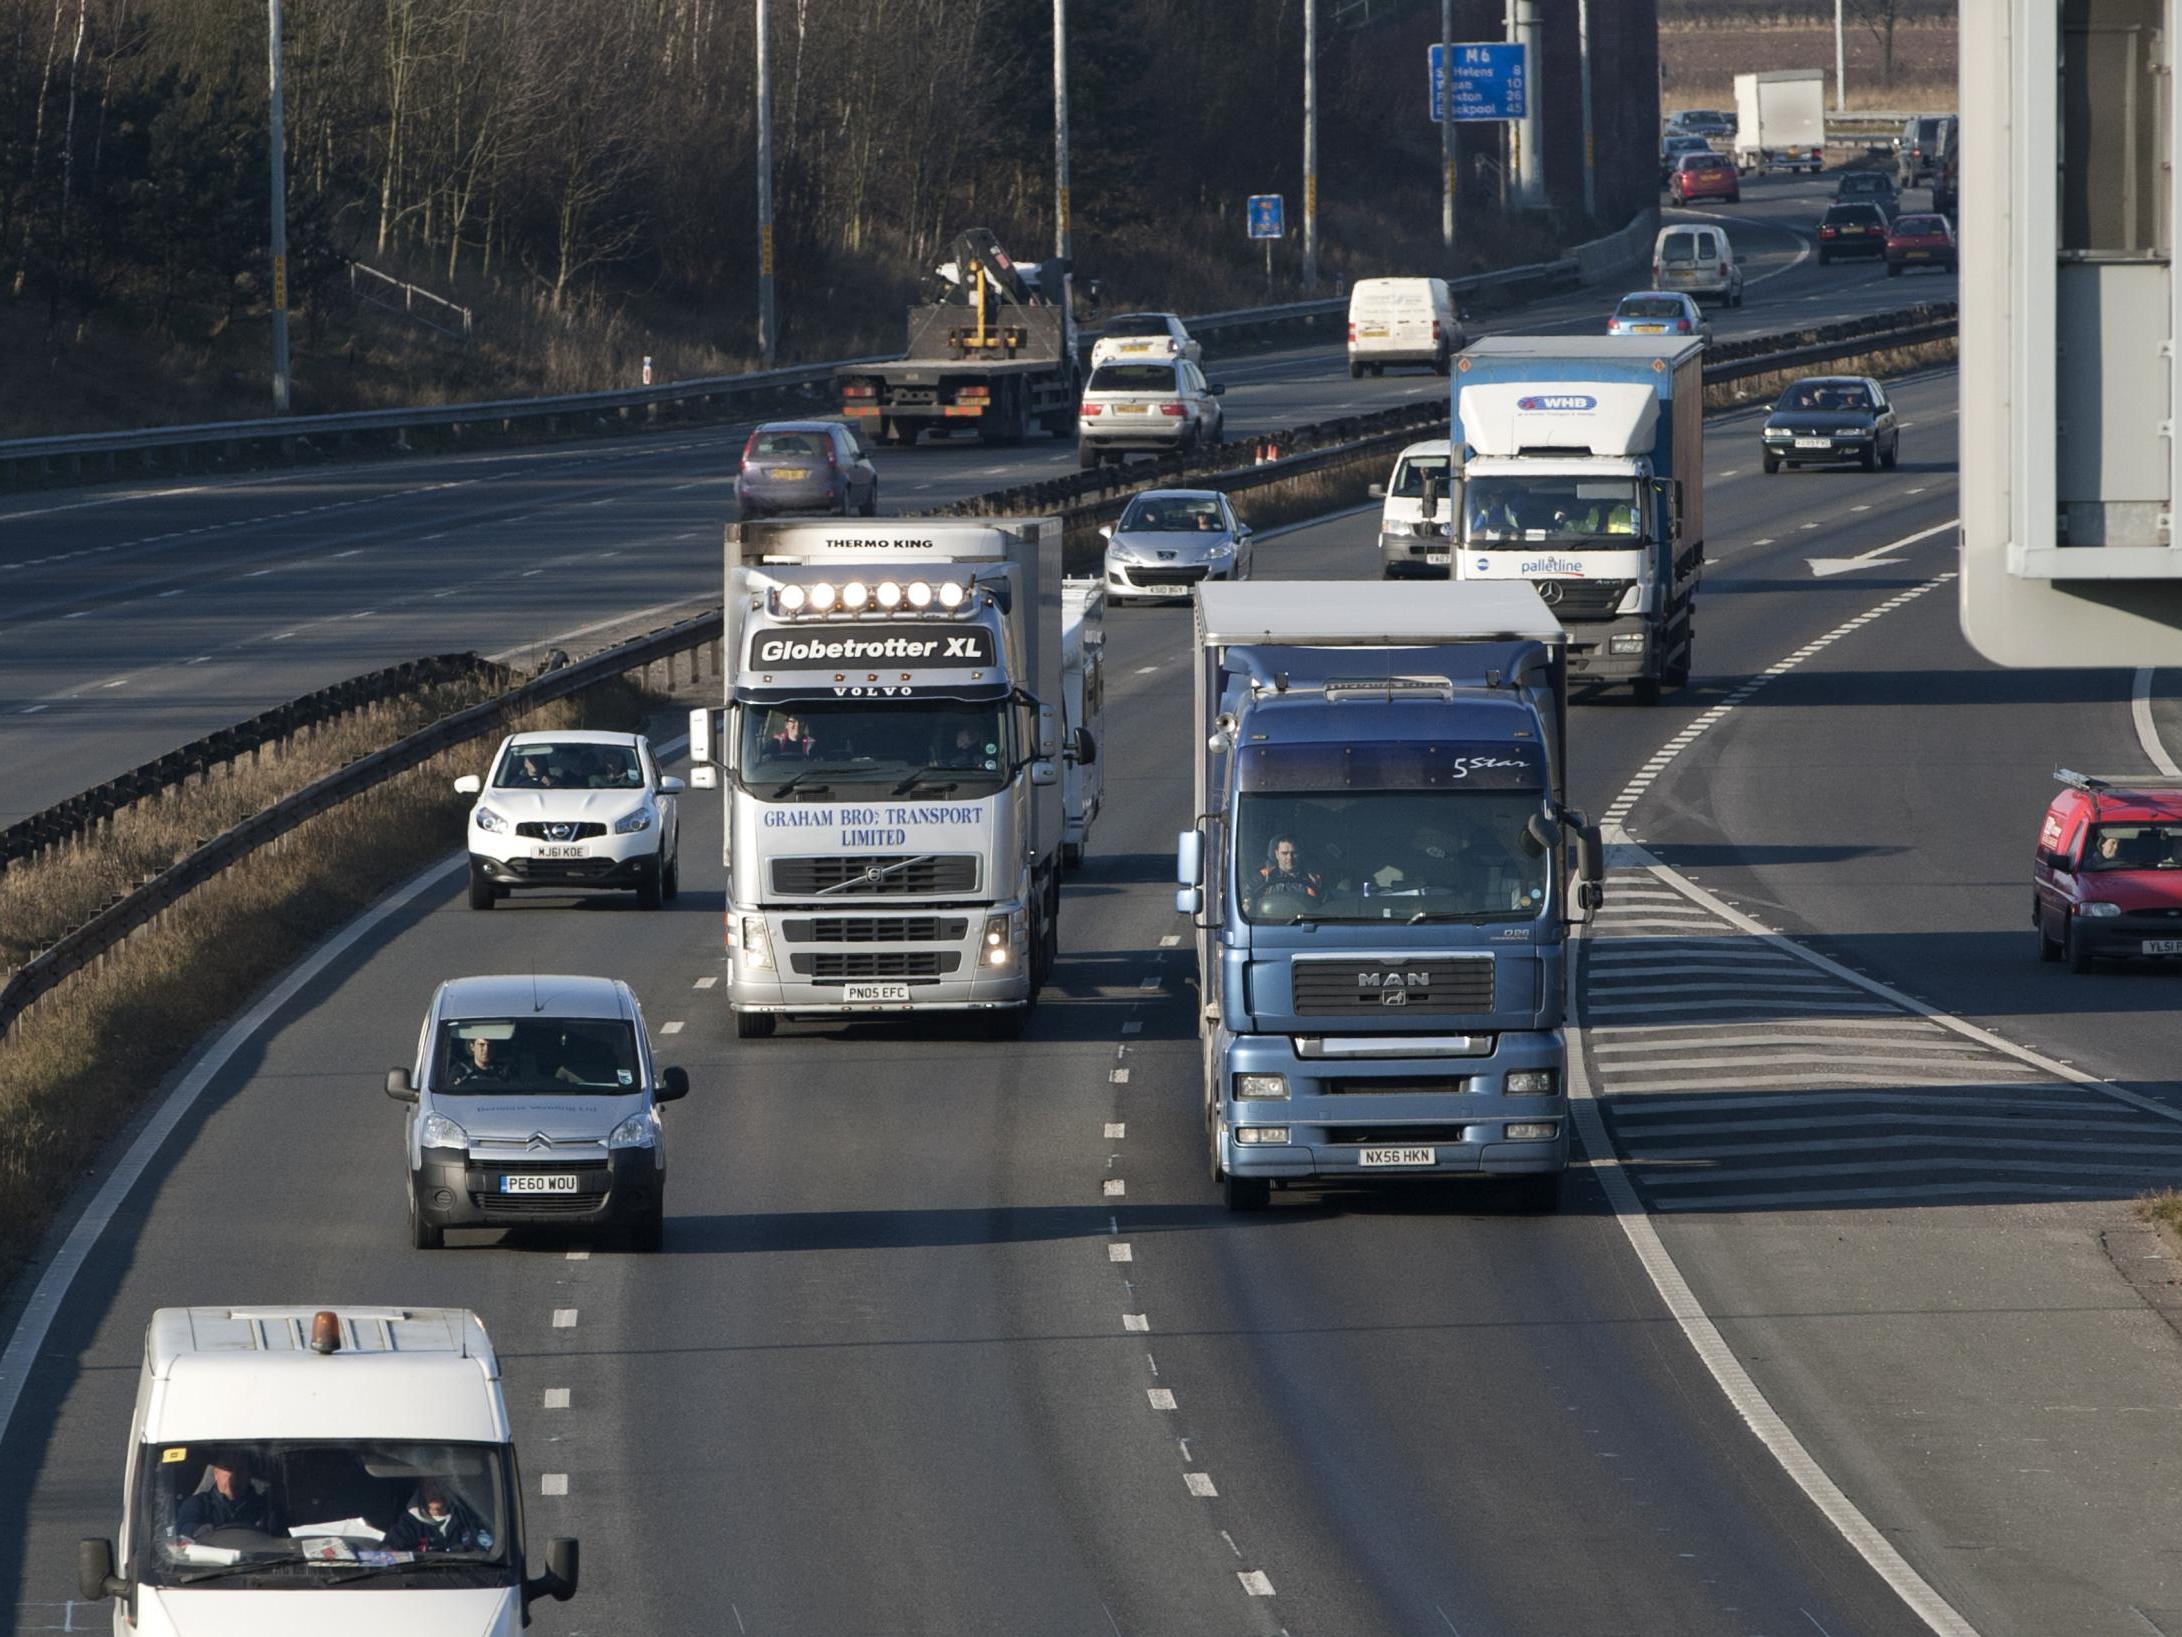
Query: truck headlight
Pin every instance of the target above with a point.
(997, 947)
(441, 1132)
(486, 819)
(2098, 909)
(1261, 1133)
(1532, 1083)
(634, 1132)
(1627, 642)
(754, 943)
(1261, 1088)
(631, 822)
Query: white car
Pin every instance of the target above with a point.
(574, 810)
(1143, 337)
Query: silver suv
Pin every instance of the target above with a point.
(535, 1103)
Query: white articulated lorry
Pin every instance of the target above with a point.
(891, 750)
(1780, 120)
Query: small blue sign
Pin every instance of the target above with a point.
(1491, 81)
(1266, 216)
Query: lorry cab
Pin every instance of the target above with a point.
(2106, 880)
(1417, 519)
(339, 1471)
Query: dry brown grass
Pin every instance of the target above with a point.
(1701, 61)
(2163, 1211)
(1886, 362)
(76, 1067)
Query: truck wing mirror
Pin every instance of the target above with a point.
(1189, 858)
(703, 736)
(1083, 747)
(562, 1571)
(95, 1577)
(1431, 497)
(398, 1086)
(1591, 871)
(1049, 731)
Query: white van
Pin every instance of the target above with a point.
(1697, 259)
(291, 1470)
(1412, 545)
(1402, 321)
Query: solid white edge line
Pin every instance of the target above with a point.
(53, 1285)
(2140, 710)
(1727, 1370)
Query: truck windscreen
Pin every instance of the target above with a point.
(291, 1514)
(1389, 855)
(1553, 508)
(824, 748)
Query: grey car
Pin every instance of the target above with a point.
(534, 1102)
(807, 466)
(1170, 539)
(1166, 408)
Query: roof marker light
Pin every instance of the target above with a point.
(325, 1331)
(951, 595)
(792, 599)
(920, 594)
(822, 596)
(889, 594)
(855, 596)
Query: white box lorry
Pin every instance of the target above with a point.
(341, 1471)
(1780, 120)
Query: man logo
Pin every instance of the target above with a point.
(1393, 997)
(1394, 980)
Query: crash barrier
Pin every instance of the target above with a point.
(78, 948)
(76, 818)
(1087, 500)
(26, 461)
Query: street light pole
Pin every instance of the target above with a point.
(1583, 52)
(278, 141)
(768, 340)
(1060, 128)
(1310, 145)
(1840, 65)
(1447, 127)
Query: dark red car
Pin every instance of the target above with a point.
(1920, 241)
(2107, 879)
(1705, 176)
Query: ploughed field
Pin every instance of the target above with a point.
(1701, 61)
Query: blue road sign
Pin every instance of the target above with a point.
(1266, 216)
(1491, 81)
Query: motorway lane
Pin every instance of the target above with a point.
(137, 617)
(889, 1305)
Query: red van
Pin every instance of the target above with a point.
(2107, 880)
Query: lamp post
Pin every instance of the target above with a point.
(1310, 145)
(1060, 129)
(278, 140)
(768, 339)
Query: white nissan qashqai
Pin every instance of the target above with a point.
(574, 810)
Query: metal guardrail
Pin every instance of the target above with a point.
(110, 926)
(72, 454)
(75, 818)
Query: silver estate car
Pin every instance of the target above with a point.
(1170, 539)
(807, 466)
(534, 1102)
(1166, 408)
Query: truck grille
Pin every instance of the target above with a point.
(825, 964)
(1395, 1136)
(896, 874)
(875, 929)
(1167, 573)
(1367, 988)
(1399, 1086)
(559, 830)
(1584, 599)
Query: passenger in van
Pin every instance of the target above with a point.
(229, 1501)
(435, 1521)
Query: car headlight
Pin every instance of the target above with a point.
(486, 819)
(1225, 548)
(2098, 909)
(1532, 1083)
(1260, 1088)
(630, 823)
(637, 1131)
(441, 1132)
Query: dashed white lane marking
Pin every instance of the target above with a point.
(1160, 1398)
(1120, 1253)
(1767, 541)
(79, 614)
(351, 552)
(1113, 1188)
(255, 574)
(1152, 981)
(579, 1256)
(1116, 1130)
(556, 1398)
(705, 983)
(553, 1483)
(1146, 670)
(670, 1028)
(30, 710)
(1732, 473)
(1136, 1321)
(118, 682)
(1120, 1077)
(530, 573)
(1255, 1582)
(176, 592)
(1132, 1028)
(564, 1318)
(1200, 1483)
(1168, 940)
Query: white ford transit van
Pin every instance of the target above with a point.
(1416, 525)
(338, 1472)
(1402, 321)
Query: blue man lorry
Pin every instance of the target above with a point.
(1382, 873)
(1582, 470)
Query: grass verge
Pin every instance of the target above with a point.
(1887, 361)
(77, 1066)
(2163, 1211)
